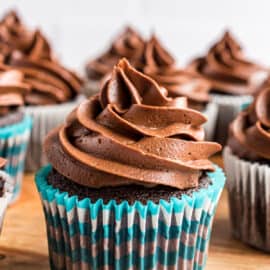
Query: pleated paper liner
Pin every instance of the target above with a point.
(13, 146)
(5, 199)
(249, 200)
(94, 235)
(211, 112)
(228, 108)
(45, 118)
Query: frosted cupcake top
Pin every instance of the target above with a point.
(128, 44)
(30, 53)
(250, 131)
(159, 64)
(14, 35)
(12, 91)
(132, 133)
(228, 69)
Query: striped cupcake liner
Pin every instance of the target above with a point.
(13, 146)
(211, 112)
(94, 235)
(7, 195)
(249, 200)
(228, 109)
(45, 118)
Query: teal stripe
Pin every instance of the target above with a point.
(107, 231)
(107, 257)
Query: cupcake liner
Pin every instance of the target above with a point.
(94, 235)
(228, 109)
(249, 200)
(91, 87)
(7, 196)
(211, 112)
(13, 145)
(45, 118)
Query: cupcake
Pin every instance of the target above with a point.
(6, 189)
(159, 64)
(54, 90)
(130, 183)
(128, 44)
(234, 79)
(15, 126)
(247, 160)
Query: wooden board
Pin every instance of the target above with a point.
(23, 240)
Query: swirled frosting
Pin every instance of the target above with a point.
(129, 45)
(160, 65)
(250, 131)
(131, 132)
(12, 90)
(50, 82)
(228, 70)
(14, 36)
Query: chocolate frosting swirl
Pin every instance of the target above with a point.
(131, 132)
(250, 131)
(14, 36)
(160, 65)
(12, 90)
(50, 82)
(228, 69)
(129, 45)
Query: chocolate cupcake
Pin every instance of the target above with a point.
(247, 160)
(130, 182)
(128, 44)
(6, 190)
(54, 90)
(160, 65)
(234, 79)
(15, 126)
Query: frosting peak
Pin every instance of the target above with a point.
(250, 131)
(14, 36)
(129, 44)
(227, 68)
(160, 65)
(132, 132)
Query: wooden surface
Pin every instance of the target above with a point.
(23, 243)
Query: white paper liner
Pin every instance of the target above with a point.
(248, 184)
(45, 118)
(228, 109)
(211, 112)
(91, 87)
(7, 196)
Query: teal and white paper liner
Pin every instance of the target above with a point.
(211, 112)
(94, 235)
(45, 118)
(13, 146)
(249, 200)
(228, 108)
(7, 195)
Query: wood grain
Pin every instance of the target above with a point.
(24, 245)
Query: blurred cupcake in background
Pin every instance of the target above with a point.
(54, 90)
(135, 192)
(128, 44)
(247, 160)
(234, 79)
(15, 126)
(6, 191)
(160, 65)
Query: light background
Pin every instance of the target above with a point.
(79, 29)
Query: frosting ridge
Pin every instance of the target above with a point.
(132, 132)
